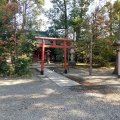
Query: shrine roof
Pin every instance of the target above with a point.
(42, 34)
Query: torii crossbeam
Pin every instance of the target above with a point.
(53, 45)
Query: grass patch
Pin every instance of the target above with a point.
(84, 65)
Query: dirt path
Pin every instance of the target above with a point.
(41, 99)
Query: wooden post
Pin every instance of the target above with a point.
(91, 53)
(118, 63)
(42, 62)
(54, 45)
(65, 66)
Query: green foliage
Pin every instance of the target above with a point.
(17, 44)
(116, 8)
(27, 46)
(101, 61)
(21, 66)
(40, 1)
(32, 10)
(4, 69)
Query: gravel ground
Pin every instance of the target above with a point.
(41, 99)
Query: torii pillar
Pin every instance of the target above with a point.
(54, 45)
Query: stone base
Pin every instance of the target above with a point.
(65, 71)
(118, 76)
(41, 76)
(42, 72)
(72, 63)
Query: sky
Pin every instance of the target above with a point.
(99, 3)
(46, 24)
(48, 5)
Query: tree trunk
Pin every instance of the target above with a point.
(119, 31)
(116, 62)
(24, 16)
(116, 66)
(66, 22)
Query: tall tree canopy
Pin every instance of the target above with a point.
(67, 14)
(100, 25)
(16, 39)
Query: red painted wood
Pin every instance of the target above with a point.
(56, 39)
(65, 67)
(42, 62)
(54, 43)
(52, 46)
(43, 45)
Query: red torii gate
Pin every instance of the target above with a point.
(53, 45)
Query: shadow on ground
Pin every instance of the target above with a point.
(41, 99)
(87, 85)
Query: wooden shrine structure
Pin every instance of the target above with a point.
(53, 44)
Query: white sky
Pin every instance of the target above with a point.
(99, 3)
(46, 24)
(48, 5)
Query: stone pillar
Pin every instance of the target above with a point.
(48, 56)
(72, 53)
(119, 62)
(117, 44)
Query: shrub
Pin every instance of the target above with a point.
(21, 67)
(4, 69)
(101, 61)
